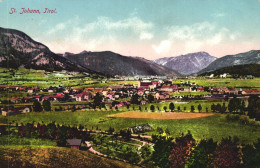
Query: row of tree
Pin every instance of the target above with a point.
(184, 151)
(53, 132)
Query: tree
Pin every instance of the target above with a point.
(249, 156)
(252, 106)
(3, 130)
(46, 104)
(165, 108)
(257, 115)
(42, 130)
(110, 130)
(162, 148)
(126, 134)
(73, 108)
(21, 130)
(132, 157)
(140, 109)
(28, 130)
(152, 108)
(37, 107)
(62, 136)
(159, 130)
(234, 105)
(227, 154)
(213, 107)
(181, 150)
(223, 108)
(242, 107)
(150, 98)
(218, 108)
(179, 108)
(146, 152)
(199, 107)
(201, 156)
(98, 98)
(192, 108)
(50, 130)
(134, 99)
(171, 107)
(167, 131)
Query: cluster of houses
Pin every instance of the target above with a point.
(160, 90)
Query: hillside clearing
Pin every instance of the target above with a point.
(55, 157)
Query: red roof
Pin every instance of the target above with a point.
(60, 94)
(251, 90)
(56, 96)
(145, 83)
(14, 98)
(27, 97)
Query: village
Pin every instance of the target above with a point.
(118, 96)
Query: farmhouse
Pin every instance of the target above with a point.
(162, 96)
(13, 111)
(30, 90)
(83, 96)
(168, 88)
(74, 143)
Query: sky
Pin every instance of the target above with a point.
(147, 28)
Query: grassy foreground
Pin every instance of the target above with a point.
(54, 157)
(216, 126)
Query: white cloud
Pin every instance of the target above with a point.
(163, 47)
(218, 14)
(58, 27)
(76, 36)
(193, 38)
(194, 31)
(146, 36)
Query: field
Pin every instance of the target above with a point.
(16, 141)
(224, 82)
(215, 126)
(25, 77)
(37, 152)
(54, 157)
(160, 115)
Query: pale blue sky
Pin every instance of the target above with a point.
(147, 28)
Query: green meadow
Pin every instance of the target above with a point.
(216, 126)
(223, 82)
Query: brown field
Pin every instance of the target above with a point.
(160, 115)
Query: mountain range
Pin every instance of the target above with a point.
(246, 58)
(19, 50)
(187, 64)
(237, 70)
(108, 62)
